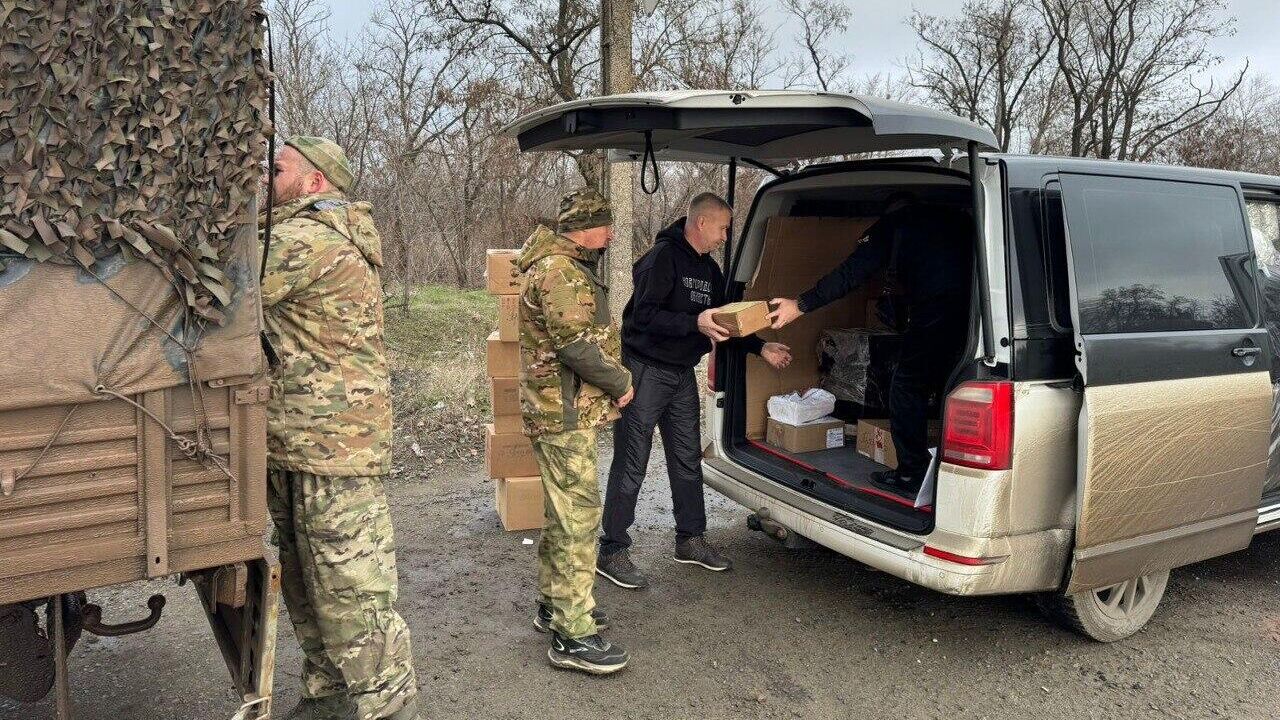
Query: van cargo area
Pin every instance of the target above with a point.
(797, 233)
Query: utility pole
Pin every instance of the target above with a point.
(618, 76)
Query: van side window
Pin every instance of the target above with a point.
(1153, 255)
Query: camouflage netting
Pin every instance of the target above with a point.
(132, 126)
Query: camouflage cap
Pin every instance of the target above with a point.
(582, 210)
(328, 158)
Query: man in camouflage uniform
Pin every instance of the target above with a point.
(329, 442)
(572, 382)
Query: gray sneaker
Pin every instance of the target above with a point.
(696, 551)
(618, 569)
(592, 654)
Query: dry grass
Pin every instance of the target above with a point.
(437, 355)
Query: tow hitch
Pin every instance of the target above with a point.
(761, 522)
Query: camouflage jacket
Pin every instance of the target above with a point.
(330, 413)
(570, 353)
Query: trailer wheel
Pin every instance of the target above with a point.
(72, 621)
(26, 654)
(1111, 613)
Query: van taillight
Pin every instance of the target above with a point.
(977, 430)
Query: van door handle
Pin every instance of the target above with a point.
(1246, 351)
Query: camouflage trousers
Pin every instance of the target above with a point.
(338, 576)
(567, 551)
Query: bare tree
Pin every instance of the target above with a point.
(304, 62)
(663, 38)
(730, 47)
(416, 67)
(1242, 136)
(348, 115)
(553, 44)
(821, 22)
(985, 63)
(1132, 71)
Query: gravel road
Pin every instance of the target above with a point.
(786, 634)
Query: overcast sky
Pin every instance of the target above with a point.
(879, 38)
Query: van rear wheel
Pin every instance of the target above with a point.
(1111, 613)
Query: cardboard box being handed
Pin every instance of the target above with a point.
(741, 319)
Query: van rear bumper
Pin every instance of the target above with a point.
(891, 551)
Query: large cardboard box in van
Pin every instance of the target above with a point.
(508, 455)
(519, 501)
(797, 252)
(503, 358)
(501, 274)
(821, 434)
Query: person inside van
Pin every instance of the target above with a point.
(666, 329)
(926, 252)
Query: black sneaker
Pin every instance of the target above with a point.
(591, 654)
(618, 569)
(899, 482)
(542, 618)
(696, 551)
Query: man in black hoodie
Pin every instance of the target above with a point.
(666, 329)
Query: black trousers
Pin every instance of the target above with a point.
(667, 399)
(931, 347)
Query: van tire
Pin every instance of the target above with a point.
(1102, 614)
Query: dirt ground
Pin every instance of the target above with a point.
(786, 634)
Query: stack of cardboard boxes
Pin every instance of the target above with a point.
(508, 453)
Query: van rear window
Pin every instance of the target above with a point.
(1152, 255)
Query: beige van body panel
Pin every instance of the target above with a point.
(1170, 474)
(1026, 514)
(1039, 493)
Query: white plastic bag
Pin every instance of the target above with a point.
(929, 487)
(798, 409)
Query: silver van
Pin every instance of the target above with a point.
(1115, 413)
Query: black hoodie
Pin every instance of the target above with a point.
(673, 284)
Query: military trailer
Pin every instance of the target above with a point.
(133, 384)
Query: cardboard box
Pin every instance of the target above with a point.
(503, 358)
(508, 455)
(509, 318)
(741, 319)
(504, 394)
(817, 435)
(876, 441)
(507, 424)
(519, 501)
(501, 274)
